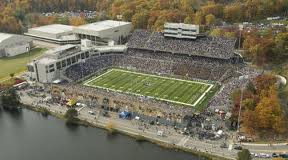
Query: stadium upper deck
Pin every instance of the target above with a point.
(213, 47)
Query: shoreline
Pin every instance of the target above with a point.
(137, 137)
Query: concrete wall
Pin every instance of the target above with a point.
(15, 45)
(16, 50)
(108, 34)
(47, 34)
(43, 76)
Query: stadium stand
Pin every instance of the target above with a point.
(206, 58)
(214, 47)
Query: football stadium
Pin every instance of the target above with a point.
(156, 74)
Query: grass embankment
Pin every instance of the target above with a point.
(17, 63)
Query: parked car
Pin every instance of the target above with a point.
(264, 155)
(91, 112)
(283, 155)
(238, 147)
(275, 155)
(223, 145)
(105, 114)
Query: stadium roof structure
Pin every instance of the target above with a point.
(8, 40)
(63, 51)
(46, 60)
(4, 36)
(213, 47)
(103, 25)
(104, 29)
(54, 28)
(57, 33)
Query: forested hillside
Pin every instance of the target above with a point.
(15, 15)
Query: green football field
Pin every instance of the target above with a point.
(178, 91)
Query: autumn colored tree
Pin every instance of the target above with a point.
(259, 49)
(188, 20)
(264, 82)
(140, 20)
(233, 12)
(261, 108)
(198, 18)
(77, 21)
(216, 32)
(213, 8)
(210, 19)
(269, 113)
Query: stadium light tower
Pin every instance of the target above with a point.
(119, 18)
(241, 27)
(29, 60)
(240, 107)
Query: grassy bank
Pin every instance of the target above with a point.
(18, 63)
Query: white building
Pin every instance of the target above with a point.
(181, 30)
(12, 45)
(48, 68)
(104, 32)
(54, 33)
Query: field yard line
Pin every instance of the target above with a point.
(203, 95)
(86, 83)
(151, 75)
(89, 85)
(163, 99)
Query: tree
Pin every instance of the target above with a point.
(269, 112)
(198, 18)
(259, 48)
(232, 12)
(249, 121)
(140, 20)
(188, 20)
(212, 8)
(10, 99)
(216, 32)
(71, 113)
(77, 21)
(244, 155)
(71, 117)
(264, 82)
(281, 44)
(11, 75)
(210, 19)
(186, 5)
(230, 34)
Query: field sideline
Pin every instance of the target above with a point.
(178, 91)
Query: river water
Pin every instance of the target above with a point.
(30, 136)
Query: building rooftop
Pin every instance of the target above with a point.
(54, 28)
(62, 51)
(46, 60)
(181, 25)
(103, 25)
(4, 36)
(60, 48)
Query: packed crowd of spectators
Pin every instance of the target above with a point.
(217, 47)
(223, 99)
(190, 67)
(90, 66)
